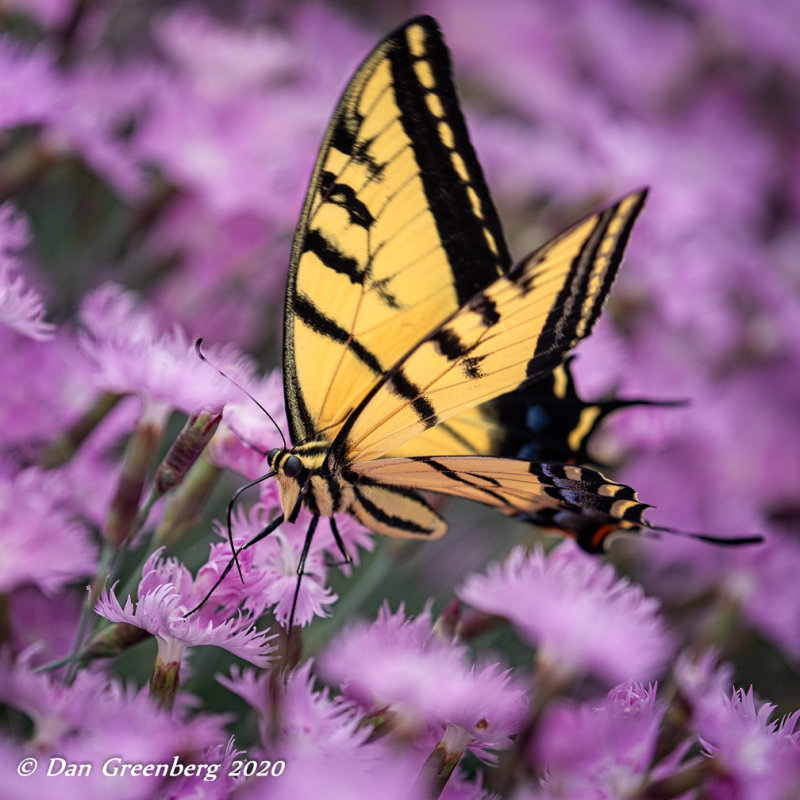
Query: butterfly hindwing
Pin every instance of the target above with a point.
(398, 230)
(394, 510)
(546, 420)
(549, 421)
(549, 493)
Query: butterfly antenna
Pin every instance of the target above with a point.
(235, 555)
(239, 386)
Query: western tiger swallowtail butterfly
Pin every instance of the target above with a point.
(416, 355)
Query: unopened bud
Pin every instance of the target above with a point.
(186, 449)
(114, 640)
(446, 626)
(124, 508)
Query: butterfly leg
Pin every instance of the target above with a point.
(348, 559)
(301, 564)
(234, 560)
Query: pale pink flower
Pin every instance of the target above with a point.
(581, 617)
(166, 593)
(426, 681)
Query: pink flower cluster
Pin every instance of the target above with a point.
(152, 167)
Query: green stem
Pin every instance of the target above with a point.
(107, 556)
(64, 446)
(679, 783)
(358, 590)
(164, 682)
(185, 501)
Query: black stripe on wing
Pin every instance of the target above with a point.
(473, 261)
(569, 319)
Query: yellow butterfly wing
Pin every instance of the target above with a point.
(507, 335)
(397, 232)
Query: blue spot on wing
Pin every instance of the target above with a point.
(537, 418)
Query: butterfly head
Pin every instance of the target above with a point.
(293, 470)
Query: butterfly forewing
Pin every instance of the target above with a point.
(397, 232)
(509, 334)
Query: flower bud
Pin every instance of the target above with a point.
(186, 449)
(124, 509)
(114, 640)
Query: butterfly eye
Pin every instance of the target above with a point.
(271, 455)
(293, 467)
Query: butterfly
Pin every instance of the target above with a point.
(417, 356)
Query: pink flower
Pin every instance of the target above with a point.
(579, 615)
(96, 718)
(389, 777)
(29, 88)
(753, 757)
(269, 570)
(427, 682)
(767, 36)
(757, 583)
(604, 750)
(310, 722)
(98, 99)
(237, 142)
(242, 253)
(166, 592)
(270, 566)
(41, 543)
(134, 356)
(322, 740)
(702, 681)
(279, 582)
(21, 308)
(80, 113)
(45, 628)
(56, 389)
(214, 130)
